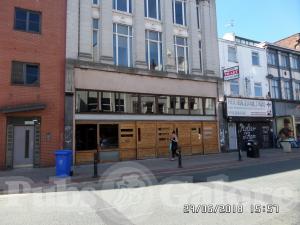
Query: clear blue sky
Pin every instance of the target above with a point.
(261, 20)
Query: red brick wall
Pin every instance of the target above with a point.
(290, 42)
(48, 49)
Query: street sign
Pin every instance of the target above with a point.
(231, 73)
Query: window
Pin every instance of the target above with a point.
(210, 106)
(95, 32)
(109, 136)
(95, 2)
(81, 101)
(92, 103)
(120, 102)
(122, 5)
(181, 53)
(284, 60)
(272, 58)
(287, 90)
(232, 54)
(179, 12)
(275, 89)
(154, 50)
(86, 101)
(26, 20)
(107, 102)
(258, 89)
(255, 58)
(200, 55)
(234, 88)
(198, 13)
(86, 137)
(165, 105)
(122, 41)
(296, 62)
(25, 73)
(182, 105)
(196, 106)
(152, 9)
(297, 90)
(148, 105)
(117, 102)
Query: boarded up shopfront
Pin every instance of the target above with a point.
(144, 139)
(249, 119)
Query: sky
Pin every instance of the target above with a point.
(261, 20)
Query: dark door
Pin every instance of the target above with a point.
(254, 130)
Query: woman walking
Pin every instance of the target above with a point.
(174, 145)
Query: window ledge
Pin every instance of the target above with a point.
(180, 26)
(122, 13)
(151, 20)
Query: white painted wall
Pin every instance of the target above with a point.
(79, 33)
(247, 70)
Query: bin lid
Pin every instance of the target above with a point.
(63, 152)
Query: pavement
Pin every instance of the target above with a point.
(161, 167)
(208, 190)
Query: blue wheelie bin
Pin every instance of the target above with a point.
(64, 161)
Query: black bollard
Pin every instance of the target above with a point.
(95, 165)
(179, 158)
(240, 155)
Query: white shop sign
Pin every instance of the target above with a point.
(249, 107)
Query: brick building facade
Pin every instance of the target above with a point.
(32, 55)
(292, 42)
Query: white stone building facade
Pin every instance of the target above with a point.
(141, 64)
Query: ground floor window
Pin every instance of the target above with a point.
(109, 136)
(86, 137)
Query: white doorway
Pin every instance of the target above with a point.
(23, 146)
(232, 136)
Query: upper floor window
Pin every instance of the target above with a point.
(122, 5)
(210, 106)
(179, 12)
(196, 106)
(198, 13)
(296, 62)
(287, 90)
(234, 87)
(272, 58)
(275, 89)
(26, 20)
(297, 90)
(255, 58)
(181, 105)
(200, 55)
(232, 54)
(136, 103)
(122, 45)
(181, 54)
(152, 9)
(258, 89)
(95, 32)
(154, 50)
(284, 60)
(95, 2)
(25, 73)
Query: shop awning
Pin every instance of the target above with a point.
(23, 108)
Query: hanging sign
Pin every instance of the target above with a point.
(231, 73)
